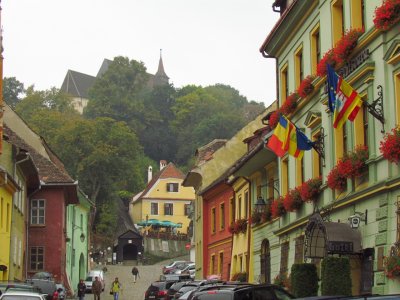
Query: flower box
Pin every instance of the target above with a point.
(392, 266)
(277, 208)
(292, 200)
(387, 15)
(306, 86)
(310, 189)
(346, 45)
(239, 226)
(390, 146)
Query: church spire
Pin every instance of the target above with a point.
(161, 77)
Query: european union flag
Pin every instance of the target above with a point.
(332, 87)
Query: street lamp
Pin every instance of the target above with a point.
(260, 204)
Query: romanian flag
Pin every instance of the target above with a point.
(288, 138)
(343, 101)
(279, 141)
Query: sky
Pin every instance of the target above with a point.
(203, 42)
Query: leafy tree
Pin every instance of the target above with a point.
(12, 91)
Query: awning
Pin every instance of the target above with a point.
(323, 238)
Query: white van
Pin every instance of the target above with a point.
(90, 277)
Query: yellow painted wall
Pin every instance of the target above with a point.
(159, 190)
(240, 241)
(5, 227)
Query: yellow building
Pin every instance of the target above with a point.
(164, 199)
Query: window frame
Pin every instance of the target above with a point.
(168, 209)
(38, 209)
(37, 248)
(155, 204)
(173, 187)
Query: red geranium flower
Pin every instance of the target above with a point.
(292, 200)
(353, 163)
(277, 208)
(306, 87)
(311, 189)
(390, 146)
(387, 15)
(336, 180)
(346, 44)
(328, 58)
(290, 104)
(274, 118)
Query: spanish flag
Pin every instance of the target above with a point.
(279, 141)
(343, 101)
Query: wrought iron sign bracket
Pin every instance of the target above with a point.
(319, 145)
(376, 108)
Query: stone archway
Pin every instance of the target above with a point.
(265, 262)
(129, 252)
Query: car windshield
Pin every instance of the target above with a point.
(89, 278)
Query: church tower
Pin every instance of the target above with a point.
(160, 78)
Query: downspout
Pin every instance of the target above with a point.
(266, 55)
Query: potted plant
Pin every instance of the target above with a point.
(392, 266)
(292, 200)
(306, 86)
(390, 146)
(387, 15)
(256, 217)
(336, 180)
(310, 189)
(277, 208)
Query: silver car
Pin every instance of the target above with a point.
(21, 295)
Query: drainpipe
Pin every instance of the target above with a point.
(248, 230)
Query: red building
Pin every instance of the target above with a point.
(217, 239)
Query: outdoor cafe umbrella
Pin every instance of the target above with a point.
(170, 224)
(149, 222)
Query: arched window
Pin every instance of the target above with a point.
(265, 261)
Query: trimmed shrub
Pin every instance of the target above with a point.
(304, 280)
(335, 276)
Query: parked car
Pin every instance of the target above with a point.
(90, 277)
(242, 291)
(22, 295)
(190, 269)
(158, 290)
(178, 264)
(22, 287)
(174, 288)
(46, 286)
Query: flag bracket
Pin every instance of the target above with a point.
(376, 108)
(319, 145)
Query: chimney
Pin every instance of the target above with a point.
(149, 173)
(163, 164)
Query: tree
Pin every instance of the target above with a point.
(12, 91)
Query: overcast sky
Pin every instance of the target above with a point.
(203, 42)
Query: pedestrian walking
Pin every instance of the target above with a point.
(116, 288)
(96, 288)
(135, 273)
(81, 289)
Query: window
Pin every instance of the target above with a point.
(338, 134)
(154, 208)
(213, 220)
(361, 127)
(8, 220)
(36, 258)
(284, 83)
(172, 187)
(337, 20)
(284, 257)
(345, 139)
(299, 250)
(187, 209)
(285, 175)
(240, 263)
(2, 212)
(222, 216)
(232, 210)
(299, 171)
(239, 207)
(315, 49)
(221, 263)
(37, 212)
(299, 66)
(212, 264)
(168, 209)
(246, 204)
(357, 14)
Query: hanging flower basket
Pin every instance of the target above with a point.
(277, 208)
(392, 266)
(310, 189)
(387, 15)
(292, 200)
(336, 180)
(390, 146)
(306, 87)
(346, 45)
